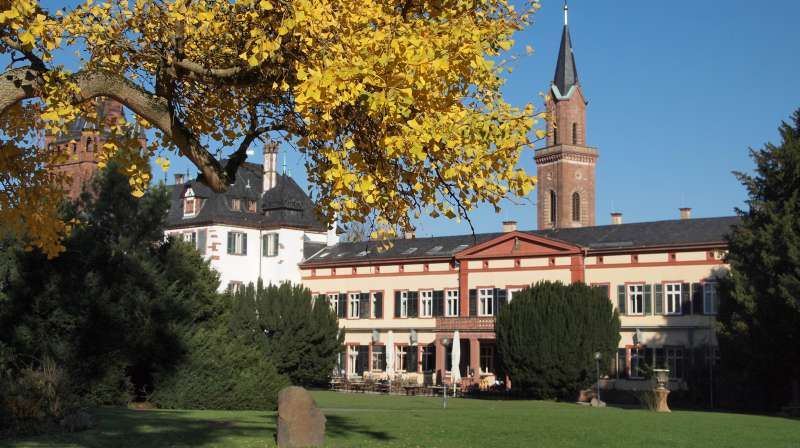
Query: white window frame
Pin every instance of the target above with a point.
(710, 298)
(401, 351)
(403, 304)
(491, 354)
(486, 302)
(272, 245)
(354, 305)
(674, 354)
(238, 244)
(235, 286)
(190, 237)
(451, 303)
(236, 204)
(373, 298)
(189, 202)
(352, 354)
(672, 296)
(511, 292)
(635, 292)
(373, 359)
(426, 303)
(333, 302)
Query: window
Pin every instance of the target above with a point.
(251, 206)
(190, 237)
(377, 302)
(333, 301)
(637, 363)
(237, 243)
(555, 135)
(429, 358)
(487, 358)
(379, 357)
(710, 298)
(486, 302)
(404, 304)
(338, 369)
(574, 133)
(269, 245)
(426, 300)
(635, 299)
(236, 205)
(452, 303)
(673, 298)
(89, 144)
(189, 204)
(401, 358)
(553, 206)
(674, 361)
(576, 207)
(235, 286)
(357, 360)
(354, 299)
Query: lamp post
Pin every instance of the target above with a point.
(597, 356)
(445, 343)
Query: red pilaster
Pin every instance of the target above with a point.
(463, 286)
(577, 270)
(475, 357)
(440, 354)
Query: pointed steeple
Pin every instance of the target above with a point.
(566, 73)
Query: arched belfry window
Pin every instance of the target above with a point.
(555, 135)
(576, 207)
(574, 133)
(553, 206)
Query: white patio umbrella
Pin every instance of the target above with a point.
(390, 354)
(455, 359)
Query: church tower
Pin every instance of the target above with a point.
(566, 166)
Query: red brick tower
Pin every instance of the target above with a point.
(566, 166)
(82, 142)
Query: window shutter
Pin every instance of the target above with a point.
(244, 243)
(686, 300)
(231, 242)
(411, 359)
(397, 304)
(379, 305)
(697, 298)
(342, 305)
(277, 244)
(201, 241)
(438, 303)
(659, 298)
(473, 302)
(413, 303)
(501, 299)
(648, 299)
(363, 304)
(621, 299)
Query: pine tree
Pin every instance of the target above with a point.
(759, 316)
(548, 335)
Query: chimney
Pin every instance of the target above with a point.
(179, 178)
(509, 226)
(616, 218)
(332, 237)
(686, 212)
(271, 165)
(410, 234)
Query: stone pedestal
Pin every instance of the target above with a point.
(300, 422)
(661, 400)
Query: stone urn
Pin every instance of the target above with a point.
(661, 391)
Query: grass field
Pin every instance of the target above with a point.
(371, 420)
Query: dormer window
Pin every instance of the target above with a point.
(236, 204)
(251, 206)
(189, 204)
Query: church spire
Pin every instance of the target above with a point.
(566, 73)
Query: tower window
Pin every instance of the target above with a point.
(574, 133)
(555, 135)
(576, 207)
(552, 206)
(89, 144)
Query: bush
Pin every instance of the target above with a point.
(547, 337)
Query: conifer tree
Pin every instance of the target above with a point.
(759, 316)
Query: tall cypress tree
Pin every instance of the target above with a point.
(759, 316)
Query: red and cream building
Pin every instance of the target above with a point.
(661, 276)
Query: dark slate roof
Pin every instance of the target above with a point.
(611, 237)
(566, 72)
(310, 248)
(286, 205)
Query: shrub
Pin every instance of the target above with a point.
(547, 337)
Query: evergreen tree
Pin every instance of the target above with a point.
(759, 316)
(299, 335)
(547, 337)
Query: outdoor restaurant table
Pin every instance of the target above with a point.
(412, 390)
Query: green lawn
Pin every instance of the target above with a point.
(370, 420)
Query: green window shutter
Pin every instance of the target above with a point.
(659, 298)
(686, 299)
(648, 299)
(244, 243)
(201, 241)
(231, 242)
(363, 304)
(397, 304)
(501, 299)
(342, 306)
(697, 298)
(473, 302)
(277, 244)
(413, 303)
(621, 299)
(379, 305)
(438, 303)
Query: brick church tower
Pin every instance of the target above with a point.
(82, 141)
(566, 166)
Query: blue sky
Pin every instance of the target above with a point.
(678, 91)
